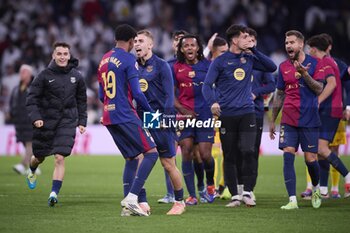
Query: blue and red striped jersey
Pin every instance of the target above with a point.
(115, 70)
(300, 108)
(333, 105)
(189, 81)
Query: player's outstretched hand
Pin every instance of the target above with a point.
(300, 68)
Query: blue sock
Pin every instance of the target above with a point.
(56, 186)
(143, 172)
(289, 173)
(142, 195)
(209, 171)
(337, 164)
(188, 173)
(129, 174)
(199, 170)
(179, 195)
(314, 171)
(324, 172)
(169, 185)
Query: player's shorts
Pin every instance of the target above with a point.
(329, 126)
(165, 141)
(131, 139)
(291, 136)
(340, 135)
(198, 134)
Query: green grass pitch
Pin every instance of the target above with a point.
(92, 190)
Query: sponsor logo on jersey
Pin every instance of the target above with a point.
(239, 74)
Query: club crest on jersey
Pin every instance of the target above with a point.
(222, 130)
(243, 60)
(149, 69)
(143, 85)
(73, 79)
(191, 74)
(239, 74)
(297, 75)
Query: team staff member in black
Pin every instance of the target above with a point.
(19, 117)
(56, 104)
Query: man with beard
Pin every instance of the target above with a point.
(299, 83)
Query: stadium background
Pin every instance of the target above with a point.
(29, 28)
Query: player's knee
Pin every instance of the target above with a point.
(216, 152)
(167, 164)
(153, 156)
(323, 151)
(248, 150)
(59, 159)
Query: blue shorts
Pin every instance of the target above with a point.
(198, 134)
(291, 136)
(131, 139)
(165, 141)
(329, 127)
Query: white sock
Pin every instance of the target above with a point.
(308, 185)
(335, 189)
(240, 189)
(314, 188)
(293, 199)
(132, 197)
(324, 190)
(347, 178)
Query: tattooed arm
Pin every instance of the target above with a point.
(315, 86)
(277, 105)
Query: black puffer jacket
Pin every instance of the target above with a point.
(19, 115)
(58, 97)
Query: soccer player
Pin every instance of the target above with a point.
(19, 117)
(299, 83)
(118, 79)
(233, 104)
(215, 47)
(189, 72)
(169, 196)
(263, 84)
(339, 138)
(331, 112)
(56, 105)
(157, 84)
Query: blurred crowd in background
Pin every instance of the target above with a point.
(28, 28)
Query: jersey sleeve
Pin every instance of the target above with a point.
(280, 80)
(269, 85)
(210, 79)
(168, 85)
(319, 74)
(132, 69)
